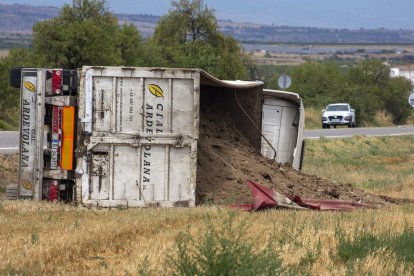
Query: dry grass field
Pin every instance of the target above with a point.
(44, 238)
(41, 238)
(291, 54)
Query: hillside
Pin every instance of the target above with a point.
(20, 19)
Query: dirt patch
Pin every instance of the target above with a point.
(226, 160)
(9, 167)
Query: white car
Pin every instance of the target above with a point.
(338, 114)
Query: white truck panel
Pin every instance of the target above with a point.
(282, 125)
(28, 133)
(143, 143)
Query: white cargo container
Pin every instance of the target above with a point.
(123, 136)
(282, 125)
(138, 135)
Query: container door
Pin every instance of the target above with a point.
(141, 138)
(280, 127)
(272, 116)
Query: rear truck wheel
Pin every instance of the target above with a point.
(12, 192)
(16, 77)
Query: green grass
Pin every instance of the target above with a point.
(364, 243)
(313, 118)
(372, 163)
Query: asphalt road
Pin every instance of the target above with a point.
(9, 140)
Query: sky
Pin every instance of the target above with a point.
(351, 14)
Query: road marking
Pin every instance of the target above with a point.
(9, 148)
(368, 135)
(398, 134)
(333, 136)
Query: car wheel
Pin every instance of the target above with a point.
(354, 125)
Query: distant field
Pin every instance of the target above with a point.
(4, 53)
(44, 238)
(295, 54)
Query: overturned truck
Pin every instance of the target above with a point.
(126, 136)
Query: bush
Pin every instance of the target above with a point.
(222, 251)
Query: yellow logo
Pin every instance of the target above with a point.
(156, 90)
(27, 185)
(29, 86)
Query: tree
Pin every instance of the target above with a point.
(130, 45)
(367, 87)
(396, 100)
(367, 84)
(86, 33)
(9, 96)
(318, 83)
(187, 21)
(188, 36)
(370, 72)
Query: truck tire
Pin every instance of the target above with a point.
(16, 77)
(12, 192)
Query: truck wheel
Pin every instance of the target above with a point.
(16, 77)
(12, 192)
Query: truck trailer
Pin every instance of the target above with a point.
(127, 136)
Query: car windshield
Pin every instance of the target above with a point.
(337, 107)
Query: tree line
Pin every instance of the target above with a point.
(88, 33)
(367, 86)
